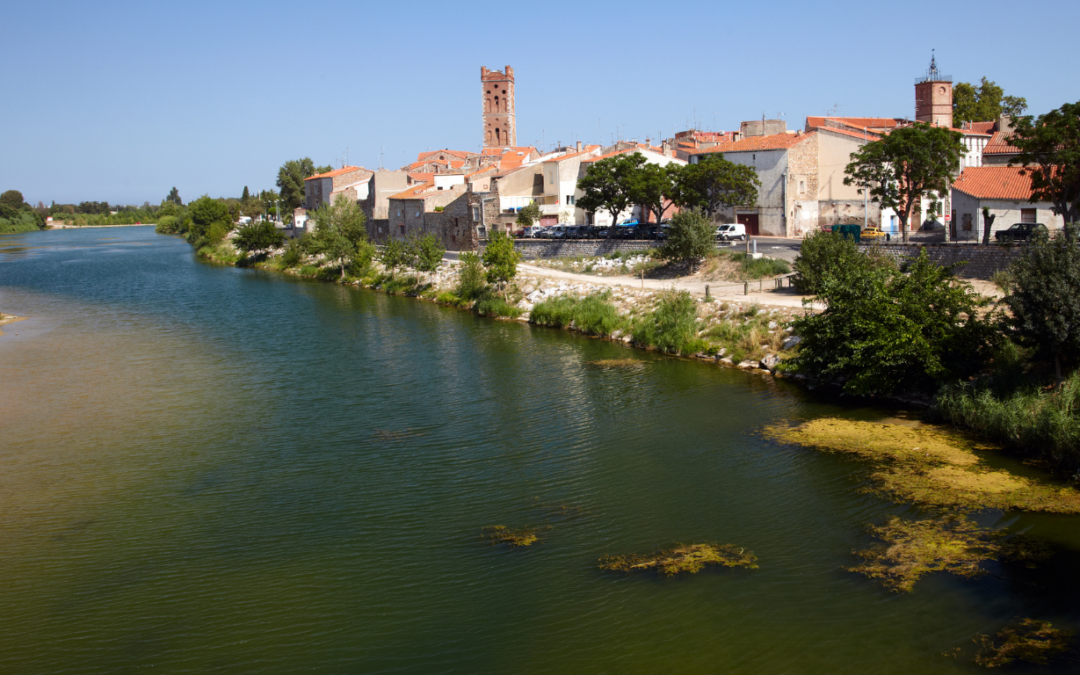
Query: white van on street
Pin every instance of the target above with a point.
(731, 232)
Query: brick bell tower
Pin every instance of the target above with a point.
(500, 125)
(933, 97)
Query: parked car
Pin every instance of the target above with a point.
(559, 231)
(731, 232)
(872, 233)
(543, 233)
(580, 231)
(599, 232)
(530, 232)
(1019, 232)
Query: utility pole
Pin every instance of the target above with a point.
(865, 203)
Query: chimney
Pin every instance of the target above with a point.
(579, 146)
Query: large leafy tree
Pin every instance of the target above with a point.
(174, 197)
(906, 165)
(713, 184)
(1050, 154)
(290, 181)
(691, 237)
(206, 213)
(608, 185)
(528, 215)
(13, 199)
(651, 187)
(984, 103)
(258, 237)
(339, 231)
(886, 332)
(1045, 298)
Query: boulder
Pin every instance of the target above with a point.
(791, 342)
(769, 362)
(748, 364)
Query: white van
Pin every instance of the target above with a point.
(731, 232)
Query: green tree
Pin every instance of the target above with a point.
(290, 182)
(501, 259)
(471, 278)
(651, 187)
(245, 195)
(258, 237)
(205, 214)
(426, 253)
(394, 254)
(887, 332)
(1050, 154)
(984, 103)
(174, 197)
(905, 165)
(12, 199)
(690, 237)
(713, 184)
(607, 185)
(528, 215)
(339, 227)
(1045, 299)
(820, 255)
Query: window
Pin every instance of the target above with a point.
(569, 200)
(802, 187)
(966, 222)
(402, 227)
(476, 213)
(1028, 216)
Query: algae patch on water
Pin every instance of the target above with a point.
(500, 534)
(913, 548)
(927, 465)
(1029, 640)
(616, 363)
(681, 558)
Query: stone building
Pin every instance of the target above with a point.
(351, 181)
(497, 99)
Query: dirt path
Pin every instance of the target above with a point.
(720, 289)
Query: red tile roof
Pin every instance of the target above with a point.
(999, 144)
(587, 149)
(337, 172)
(422, 177)
(490, 167)
(415, 192)
(758, 143)
(455, 153)
(994, 182)
(864, 134)
(982, 127)
(861, 122)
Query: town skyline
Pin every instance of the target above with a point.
(140, 117)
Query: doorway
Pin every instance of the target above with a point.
(750, 221)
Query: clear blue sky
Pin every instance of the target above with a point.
(120, 101)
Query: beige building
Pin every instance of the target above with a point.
(1005, 193)
(350, 181)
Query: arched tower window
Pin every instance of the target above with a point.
(497, 140)
(496, 104)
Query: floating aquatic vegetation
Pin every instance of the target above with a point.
(393, 436)
(1024, 550)
(500, 534)
(681, 558)
(1029, 640)
(913, 548)
(927, 465)
(616, 363)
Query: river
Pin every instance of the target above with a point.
(206, 469)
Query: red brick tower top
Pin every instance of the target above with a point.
(497, 91)
(933, 97)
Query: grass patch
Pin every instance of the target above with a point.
(928, 466)
(1028, 640)
(500, 534)
(494, 306)
(912, 548)
(681, 558)
(309, 270)
(672, 326)
(748, 337)
(222, 252)
(592, 315)
(1041, 424)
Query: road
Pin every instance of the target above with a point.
(774, 247)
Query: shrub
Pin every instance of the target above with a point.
(167, 225)
(672, 326)
(471, 279)
(821, 255)
(595, 315)
(690, 237)
(309, 270)
(556, 312)
(293, 254)
(501, 259)
(393, 255)
(258, 237)
(884, 332)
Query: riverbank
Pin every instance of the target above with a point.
(6, 319)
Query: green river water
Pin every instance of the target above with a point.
(205, 469)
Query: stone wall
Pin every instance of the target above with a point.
(981, 261)
(540, 248)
